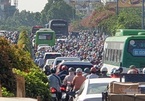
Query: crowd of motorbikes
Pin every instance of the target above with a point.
(66, 95)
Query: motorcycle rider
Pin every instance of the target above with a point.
(63, 72)
(133, 70)
(93, 74)
(40, 61)
(78, 79)
(67, 82)
(55, 82)
(104, 71)
(86, 72)
(68, 79)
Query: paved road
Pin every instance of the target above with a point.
(16, 99)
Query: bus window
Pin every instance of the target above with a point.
(136, 47)
(45, 36)
(106, 55)
(117, 58)
(60, 27)
(120, 54)
(109, 54)
(115, 55)
(111, 58)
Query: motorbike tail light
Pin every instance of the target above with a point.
(53, 90)
(63, 88)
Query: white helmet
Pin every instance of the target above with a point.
(143, 71)
(79, 70)
(103, 69)
(132, 71)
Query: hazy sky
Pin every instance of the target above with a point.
(31, 5)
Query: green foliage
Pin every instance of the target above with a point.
(6, 93)
(58, 10)
(36, 83)
(15, 60)
(24, 41)
(11, 56)
(6, 65)
(128, 18)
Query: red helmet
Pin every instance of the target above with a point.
(93, 69)
(64, 67)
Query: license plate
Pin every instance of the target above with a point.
(53, 95)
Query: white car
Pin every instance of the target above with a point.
(60, 59)
(62, 40)
(44, 48)
(49, 62)
(51, 55)
(91, 89)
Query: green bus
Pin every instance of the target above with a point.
(45, 36)
(126, 48)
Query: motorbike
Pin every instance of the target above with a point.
(53, 92)
(67, 95)
(64, 93)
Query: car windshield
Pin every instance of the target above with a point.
(52, 56)
(97, 88)
(58, 62)
(49, 62)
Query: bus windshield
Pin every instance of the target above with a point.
(45, 36)
(136, 47)
(60, 27)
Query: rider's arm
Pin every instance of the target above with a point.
(65, 81)
(73, 81)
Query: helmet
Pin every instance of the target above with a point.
(143, 71)
(86, 70)
(64, 67)
(103, 69)
(78, 70)
(112, 71)
(132, 67)
(71, 69)
(120, 69)
(95, 66)
(93, 69)
(53, 70)
(132, 71)
(115, 71)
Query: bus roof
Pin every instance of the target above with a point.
(126, 32)
(124, 38)
(58, 20)
(45, 30)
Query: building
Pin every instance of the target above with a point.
(83, 6)
(6, 9)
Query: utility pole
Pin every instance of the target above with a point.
(142, 14)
